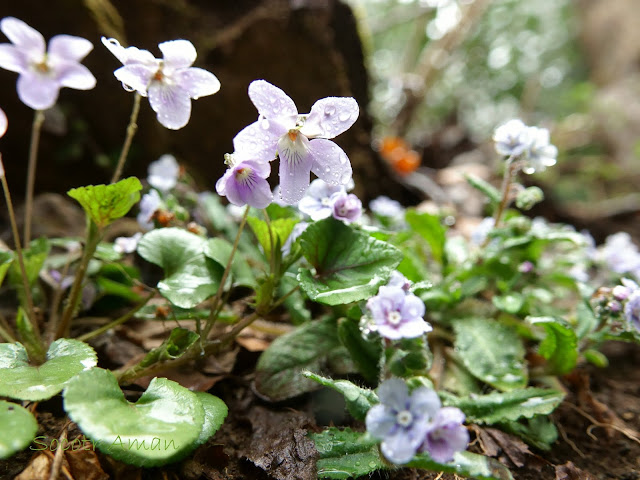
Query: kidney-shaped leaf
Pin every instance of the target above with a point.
(65, 359)
(349, 265)
(18, 427)
(162, 426)
(190, 277)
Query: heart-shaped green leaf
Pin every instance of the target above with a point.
(65, 359)
(349, 265)
(215, 411)
(190, 277)
(219, 250)
(163, 426)
(18, 427)
(105, 203)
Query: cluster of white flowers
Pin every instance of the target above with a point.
(515, 139)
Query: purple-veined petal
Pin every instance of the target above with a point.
(136, 77)
(178, 53)
(273, 103)
(129, 55)
(197, 81)
(69, 47)
(330, 163)
(74, 75)
(245, 184)
(397, 449)
(28, 39)
(295, 167)
(221, 184)
(379, 421)
(3, 123)
(12, 58)
(259, 141)
(394, 394)
(172, 104)
(38, 91)
(330, 116)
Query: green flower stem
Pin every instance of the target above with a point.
(131, 131)
(510, 170)
(199, 350)
(118, 321)
(272, 243)
(23, 271)
(38, 119)
(55, 305)
(215, 307)
(94, 234)
(9, 333)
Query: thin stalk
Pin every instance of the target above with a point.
(55, 305)
(118, 321)
(505, 189)
(31, 172)
(16, 239)
(214, 305)
(131, 131)
(93, 238)
(272, 256)
(6, 336)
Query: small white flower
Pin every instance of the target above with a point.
(541, 153)
(127, 244)
(512, 138)
(163, 173)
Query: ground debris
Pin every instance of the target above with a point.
(569, 471)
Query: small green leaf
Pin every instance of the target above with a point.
(504, 406)
(219, 250)
(344, 454)
(538, 431)
(281, 229)
(430, 228)
(164, 425)
(492, 352)
(491, 192)
(279, 370)
(366, 354)
(596, 358)
(559, 347)
(349, 265)
(18, 427)
(190, 277)
(105, 203)
(359, 400)
(65, 359)
(510, 303)
(215, 411)
(411, 356)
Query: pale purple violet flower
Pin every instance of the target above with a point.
(512, 138)
(300, 141)
(149, 203)
(169, 83)
(632, 309)
(42, 72)
(317, 202)
(346, 207)
(621, 255)
(127, 244)
(541, 153)
(396, 314)
(446, 435)
(526, 267)
(401, 420)
(163, 173)
(399, 280)
(386, 207)
(245, 182)
(622, 292)
(4, 123)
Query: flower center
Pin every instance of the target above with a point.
(159, 76)
(42, 67)
(293, 134)
(404, 418)
(394, 318)
(242, 173)
(293, 147)
(326, 201)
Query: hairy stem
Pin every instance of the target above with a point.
(214, 305)
(131, 131)
(31, 172)
(16, 239)
(510, 170)
(93, 238)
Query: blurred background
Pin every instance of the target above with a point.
(433, 79)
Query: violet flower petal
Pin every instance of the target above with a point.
(69, 47)
(12, 58)
(26, 38)
(295, 168)
(37, 91)
(394, 394)
(331, 116)
(330, 163)
(171, 103)
(75, 75)
(197, 82)
(397, 449)
(135, 76)
(259, 140)
(273, 103)
(380, 421)
(178, 53)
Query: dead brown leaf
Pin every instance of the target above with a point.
(569, 471)
(84, 465)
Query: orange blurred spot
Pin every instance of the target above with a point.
(399, 155)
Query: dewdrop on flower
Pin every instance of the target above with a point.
(43, 72)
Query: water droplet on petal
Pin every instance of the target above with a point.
(291, 174)
(264, 124)
(344, 116)
(329, 110)
(343, 159)
(327, 170)
(345, 178)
